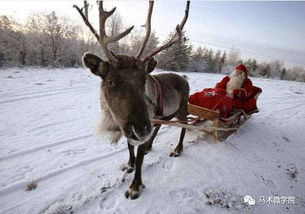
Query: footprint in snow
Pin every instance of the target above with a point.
(185, 195)
(225, 199)
(13, 151)
(270, 184)
(59, 207)
(118, 211)
(72, 152)
(292, 171)
(298, 92)
(168, 164)
(108, 204)
(78, 196)
(20, 174)
(280, 150)
(286, 139)
(153, 211)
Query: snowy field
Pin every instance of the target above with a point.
(47, 136)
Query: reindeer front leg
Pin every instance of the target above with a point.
(129, 167)
(151, 140)
(136, 185)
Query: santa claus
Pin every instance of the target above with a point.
(235, 81)
(240, 88)
(235, 91)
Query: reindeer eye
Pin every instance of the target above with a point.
(110, 83)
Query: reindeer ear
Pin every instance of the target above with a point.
(150, 65)
(96, 65)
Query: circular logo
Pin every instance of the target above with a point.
(249, 200)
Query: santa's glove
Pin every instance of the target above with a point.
(239, 94)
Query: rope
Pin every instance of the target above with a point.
(187, 126)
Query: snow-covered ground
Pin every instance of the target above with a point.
(47, 136)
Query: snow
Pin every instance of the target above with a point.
(47, 137)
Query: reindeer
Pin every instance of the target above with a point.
(130, 96)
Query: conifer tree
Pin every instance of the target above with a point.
(177, 57)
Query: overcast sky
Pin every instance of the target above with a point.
(264, 30)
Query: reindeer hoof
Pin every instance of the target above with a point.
(175, 154)
(127, 168)
(132, 193)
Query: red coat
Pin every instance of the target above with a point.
(216, 98)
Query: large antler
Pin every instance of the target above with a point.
(173, 40)
(103, 39)
(147, 26)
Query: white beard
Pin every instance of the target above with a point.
(237, 79)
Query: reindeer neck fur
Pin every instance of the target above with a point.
(108, 123)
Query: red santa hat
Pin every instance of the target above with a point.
(241, 67)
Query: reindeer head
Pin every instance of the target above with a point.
(123, 87)
(123, 77)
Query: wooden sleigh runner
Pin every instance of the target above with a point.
(220, 127)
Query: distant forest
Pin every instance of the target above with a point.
(50, 40)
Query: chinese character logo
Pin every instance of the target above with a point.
(248, 200)
(277, 200)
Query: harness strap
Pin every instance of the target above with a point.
(151, 102)
(159, 105)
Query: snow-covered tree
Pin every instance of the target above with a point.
(12, 42)
(6, 32)
(296, 73)
(276, 67)
(53, 40)
(210, 61)
(115, 26)
(233, 57)
(264, 69)
(176, 58)
(136, 41)
(218, 62)
(54, 28)
(197, 62)
(251, 64)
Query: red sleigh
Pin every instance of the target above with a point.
(222, 122)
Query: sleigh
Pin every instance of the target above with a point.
(209, 121)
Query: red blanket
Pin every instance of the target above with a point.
(216, 98)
